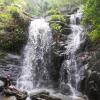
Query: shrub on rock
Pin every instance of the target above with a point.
(13, 29)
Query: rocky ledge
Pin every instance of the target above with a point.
(40, 95)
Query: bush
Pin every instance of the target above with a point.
(91, 16)
(95, 34)
(5, 17)
(55, 27)
(12, 42)
(12, 9)
(13, 25)
(58, 18)
(53, 12)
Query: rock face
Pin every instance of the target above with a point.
(11, 91)
(90, 84)
(9, 64)
(60, 27)
(88, 56)
(9, 41)
(57, 58)
(18, 94)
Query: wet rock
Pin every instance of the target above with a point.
(46, 97)
(57, 57)
(18, 94)
(90, 55)
(40, 93)
(66, 31)
(65, 89)
(92, 86)
(1, 85)
(68, 10)
(77, 21)
(35, 98)
(9, 64)
(43, 95)
(8, 98)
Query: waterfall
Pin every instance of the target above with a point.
(35, 72)
(70, 65)
(36, 58)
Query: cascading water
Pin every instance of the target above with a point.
(70, 64)
(35, 71)
(34, 67)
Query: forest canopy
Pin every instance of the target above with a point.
(91, 11)
(39, 6)
(92, 17)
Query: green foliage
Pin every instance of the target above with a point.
(12, 26)
(53, 12)
(5, 17)
(55, 27)
(57, 3)
(92, 17)
(55, 22)
(10, 2)
(12, 9)
(58, 18)
(75, 2)
(10, 41)
(95, 34)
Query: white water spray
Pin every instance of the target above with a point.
(70, 64)
(34, 67)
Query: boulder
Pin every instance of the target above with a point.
(9, 98)
(18, 94)
(57, 57)
(65, 89)
(66, 31)
(43, 95)
(1, 85)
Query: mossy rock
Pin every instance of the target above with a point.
(58, 23)
(13, 26)
(12, 42)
